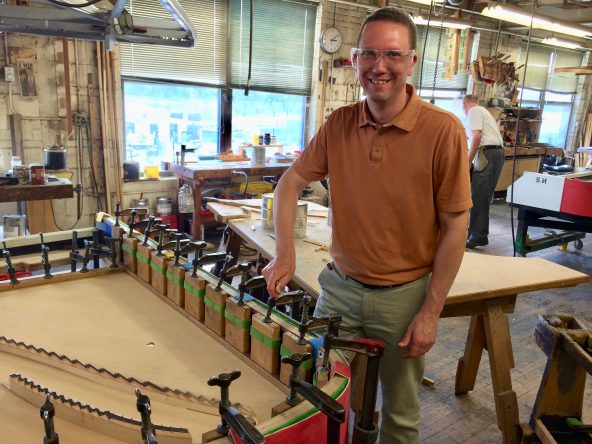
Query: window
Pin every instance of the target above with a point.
(281, 115)
(435, 61)
(556, 115)
(159, 117)
(448, 99)
(552, 92)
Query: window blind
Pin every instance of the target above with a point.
(564, 81)
(459, 81)
(205, 63)
(537, 70)
(283, 45)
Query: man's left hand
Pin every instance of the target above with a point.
(420, 335)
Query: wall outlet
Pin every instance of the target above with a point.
(9, 73)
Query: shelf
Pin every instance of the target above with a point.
(60, 189)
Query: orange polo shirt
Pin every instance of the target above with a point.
(387, 186)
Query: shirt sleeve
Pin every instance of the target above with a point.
(452, 181)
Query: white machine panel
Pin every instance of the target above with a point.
(538, 190)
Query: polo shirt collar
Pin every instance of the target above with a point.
(405, 120)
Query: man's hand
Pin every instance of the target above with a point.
(279, 272)
(420, 335)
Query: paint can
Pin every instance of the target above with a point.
(131, 170)
(55, 157)
(164, 206)
(15, 225)
(267, 215)
(140, 203)
(257, 155)
(38, 175)
(22, 173)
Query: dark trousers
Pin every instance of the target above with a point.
(482, 188)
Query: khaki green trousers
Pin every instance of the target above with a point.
(382, 314)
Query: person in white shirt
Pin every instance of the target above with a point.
(486, 158)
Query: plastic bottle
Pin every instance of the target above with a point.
(15, 161)
(185, 200)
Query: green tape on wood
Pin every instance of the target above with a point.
(213, 305)
(157, 268)
(194, 291)
(242, 323)
(176, 280)
(143, 259)
(129, 250)
(285, 351)
(265, 340)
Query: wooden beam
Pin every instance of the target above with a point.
(577, 70)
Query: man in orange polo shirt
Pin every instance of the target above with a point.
(400, 196)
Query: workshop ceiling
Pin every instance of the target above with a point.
(100, 20)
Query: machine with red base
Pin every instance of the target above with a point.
(556, 202)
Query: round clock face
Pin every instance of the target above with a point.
(331, 40)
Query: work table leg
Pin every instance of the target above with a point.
(499, 346)
(468, 365)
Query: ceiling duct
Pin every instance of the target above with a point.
(101, 20)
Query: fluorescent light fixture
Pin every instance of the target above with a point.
(521, 17)
(448, 22)
(562, 43)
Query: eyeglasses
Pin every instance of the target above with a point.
(390, 56)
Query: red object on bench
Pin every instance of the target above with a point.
(18, 274)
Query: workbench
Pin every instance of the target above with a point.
(197, 174)
(486, 289)
(527, 159)
(58, 189)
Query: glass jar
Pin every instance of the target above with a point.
(185, 199)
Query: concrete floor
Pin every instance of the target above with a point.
(471, 418)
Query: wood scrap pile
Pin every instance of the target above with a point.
(496, 69)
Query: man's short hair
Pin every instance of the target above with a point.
(395, 15)
(473, 98)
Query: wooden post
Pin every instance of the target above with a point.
(159, 266)
(195, 290)
(290, 346)
(175, 276)
(265, 344)
(130, 251)
(238, 325)
(143, 253)
(215, 304)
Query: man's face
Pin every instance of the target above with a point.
(464, 107)
(383, 78)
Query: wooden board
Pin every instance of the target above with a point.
(228, 210)
(480, 276)
(215, 303)
(267, 354)
(59, 189)
(195, 289)
(144, 252)
(130, 251)
(238, 323)
(290, 346)
(175, 277)
(159, 266)
(577, 70)
(110, 321)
